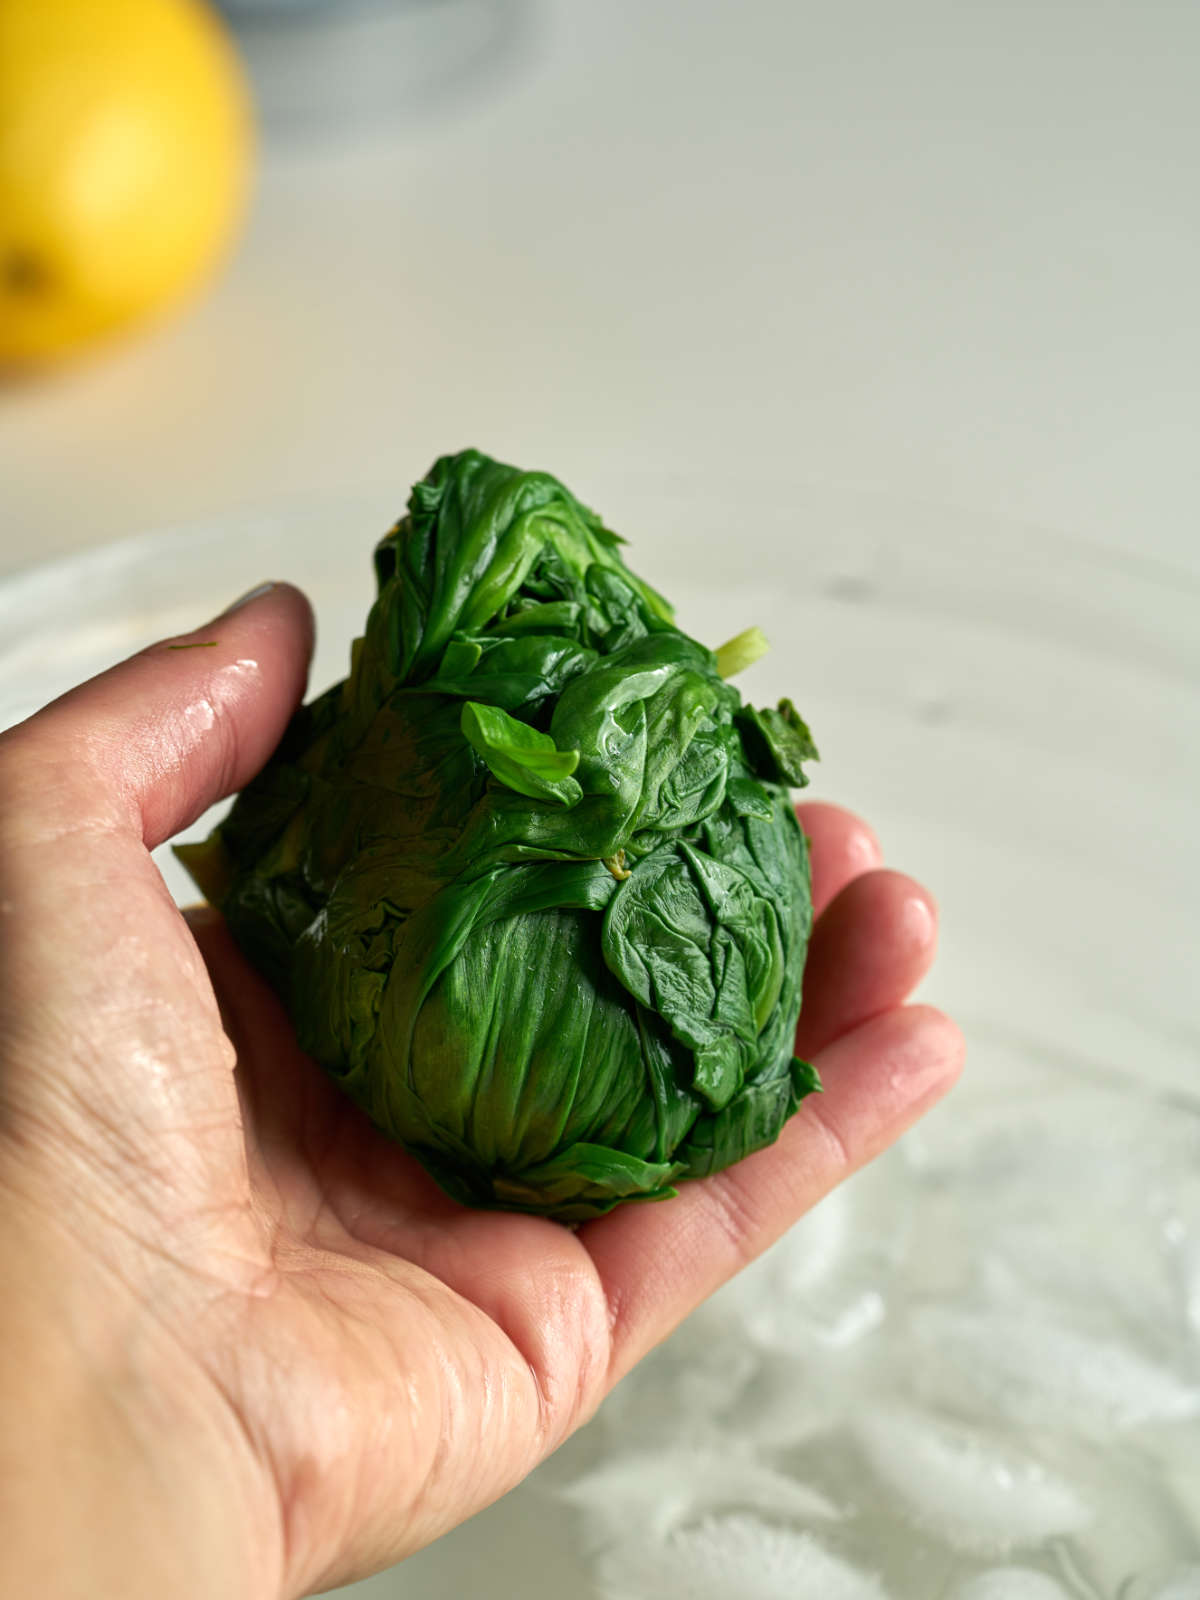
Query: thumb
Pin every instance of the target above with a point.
(149, 745)
(110, 1035)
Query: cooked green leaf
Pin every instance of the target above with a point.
(778, 743)
(529, 880)
(524, 758)
(742, 651)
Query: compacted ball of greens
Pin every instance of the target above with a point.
(529, 880)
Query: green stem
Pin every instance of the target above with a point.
(742, 651)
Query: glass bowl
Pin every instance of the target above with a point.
(975, 1370)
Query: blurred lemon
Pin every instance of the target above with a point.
(125, 144)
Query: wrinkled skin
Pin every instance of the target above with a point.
(281, 1355)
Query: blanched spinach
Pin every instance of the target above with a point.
(529, 880)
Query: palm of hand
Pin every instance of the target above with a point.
(381, 1361)
(454, 1349)
(433, 1355)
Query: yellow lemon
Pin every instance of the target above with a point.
(125, 141)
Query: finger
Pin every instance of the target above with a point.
(153, 742)
(841, 847)
(871, 946)
(658, 1262)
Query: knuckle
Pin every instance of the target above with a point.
(50, 790)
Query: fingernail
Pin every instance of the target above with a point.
(251, 594)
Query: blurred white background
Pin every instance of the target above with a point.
(945, 250)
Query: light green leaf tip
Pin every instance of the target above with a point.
(521, 757)
(742, 651)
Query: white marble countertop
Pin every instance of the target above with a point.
(943, 251)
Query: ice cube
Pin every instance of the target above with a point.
(813, 1247)
(1188, 1270)
(1183, 1586)
(827, 1280)
(1111, 1271)
(1009, 1583)
(1059, 1132)
(685, 1388)
(1028, 1368)
(793, 1399)
(1180, 1583)
(649, 1493)
(726, 1556)
(1068, 1192)
(972, 1491)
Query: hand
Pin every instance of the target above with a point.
(248, 1347)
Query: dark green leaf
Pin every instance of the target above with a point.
(778, 743)
(529, 880)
